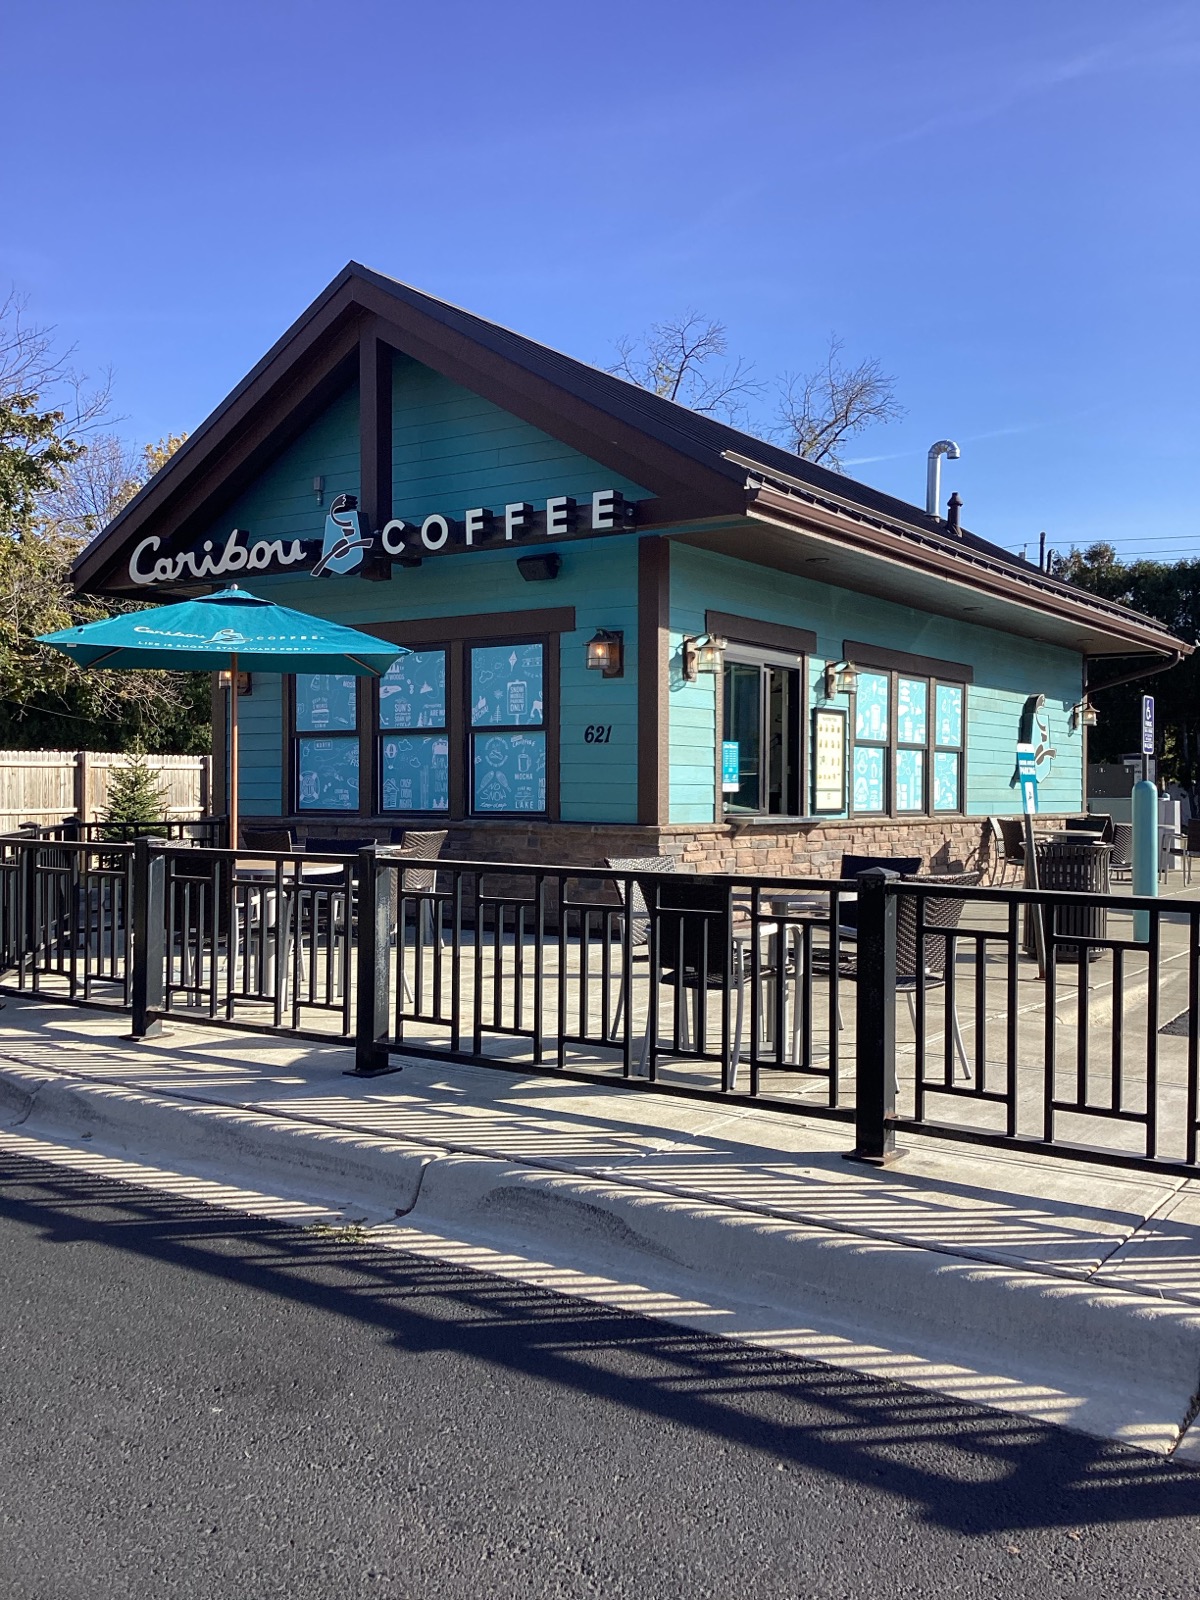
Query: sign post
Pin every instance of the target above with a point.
(1147, 734)
(1027, 775)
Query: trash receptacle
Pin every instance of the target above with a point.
(1079, 863)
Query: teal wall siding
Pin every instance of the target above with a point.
(280, 503)
(453, 450)
(260, 725)
(1007, 670)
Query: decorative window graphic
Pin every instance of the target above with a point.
(508, 766)
(908, 745)
(949, 714)
(326, 767)
(506, 686)
(510, 772)
(912, 700)
(868, 778)
(871, 707)
(326, 703)
(327, 774)
(412, 692)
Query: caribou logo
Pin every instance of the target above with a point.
(345, 539)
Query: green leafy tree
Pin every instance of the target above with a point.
(1170, 591)
(135, 799)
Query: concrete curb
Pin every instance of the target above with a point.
(1108, 1361)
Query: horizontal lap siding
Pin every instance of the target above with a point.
(260, 746)
(1007, 670)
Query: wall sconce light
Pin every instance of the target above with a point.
(1084, 716)
(841, 677)
(702, 655)
(244, 682)
(606, 653)
(319, 490)
(541, 568)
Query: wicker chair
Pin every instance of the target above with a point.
(1120, 863)
(272, 841)
(941, 916)
(637, 909)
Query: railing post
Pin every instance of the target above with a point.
(148, 920)
(373, 1019)
(27, 856)
(875, 1019)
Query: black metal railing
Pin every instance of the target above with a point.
(212, 831)
(910, 1005)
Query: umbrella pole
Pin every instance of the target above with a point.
(233, 752)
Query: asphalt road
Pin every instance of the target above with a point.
(195, 1404)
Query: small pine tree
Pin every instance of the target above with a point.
(135, 799)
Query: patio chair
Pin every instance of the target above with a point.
(416, 844)
(703, 946)
(1008, 844)
(941, 916)
(1120, 863)
(1191, 847)
(271, 841)
(637, 910)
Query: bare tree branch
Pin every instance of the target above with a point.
(821, 409)
(676, 360)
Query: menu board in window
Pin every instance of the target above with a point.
(910, 780)
(415, 772)
(328, 774)
(912, 700)
(829, 761)
(506, 686)
(510, 772)
(871, 706)
(412, 692)
(325, 702)
(868, 779)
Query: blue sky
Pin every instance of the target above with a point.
(997, 201)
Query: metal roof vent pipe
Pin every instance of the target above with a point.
(952, 511)
(933, 473)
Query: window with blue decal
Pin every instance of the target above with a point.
(508, 741)
(326, 745)
(414, 740)
(908, 745)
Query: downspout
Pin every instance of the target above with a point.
(1129, 677)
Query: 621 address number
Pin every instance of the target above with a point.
(597, 733)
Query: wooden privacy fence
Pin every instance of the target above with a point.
(44, 786)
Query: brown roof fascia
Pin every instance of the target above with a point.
(606, 438)
(947, 562)
(278, 396)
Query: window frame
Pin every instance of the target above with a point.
(551, 648)
(378, 733)
(295, 734)
(739, 653)
(891, 747)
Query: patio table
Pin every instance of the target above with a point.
(297, 874)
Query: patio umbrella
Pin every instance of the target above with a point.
(233, 631)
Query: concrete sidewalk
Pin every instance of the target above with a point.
(1060, 1290)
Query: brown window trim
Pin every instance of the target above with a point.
(767, 635)
(882, 660)
(485, 628)
(293, 735)
(551, 720)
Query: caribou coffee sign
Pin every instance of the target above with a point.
(348, 540)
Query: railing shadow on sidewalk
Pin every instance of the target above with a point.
(1008, 1475)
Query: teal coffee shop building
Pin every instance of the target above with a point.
(634, 631)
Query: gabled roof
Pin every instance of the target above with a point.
(700, 470)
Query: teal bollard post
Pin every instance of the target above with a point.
(1145, 852)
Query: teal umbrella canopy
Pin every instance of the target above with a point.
(206, 635)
